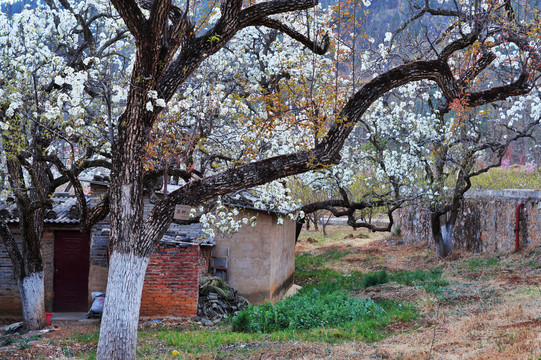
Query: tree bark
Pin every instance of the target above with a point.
(27, 262)
(32, 292)
(118, 332)
(443, 235)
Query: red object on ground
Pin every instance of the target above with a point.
(48, 316)
(517, 226)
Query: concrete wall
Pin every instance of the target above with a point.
(486, 223)
(262, 258)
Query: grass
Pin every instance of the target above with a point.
(336, 233)
(510, 178)
(369, 330)
(307, 261)
(311, 270)
(310, 267)
(483, 263)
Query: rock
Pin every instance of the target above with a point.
(14, 327)
(32, 333)
(292, 291)
(207, 322)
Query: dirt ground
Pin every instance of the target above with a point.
(491, 310)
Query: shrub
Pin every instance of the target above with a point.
(241, 322)
(511, 178)
(306, 310)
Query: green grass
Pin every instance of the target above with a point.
(308, 314)
(430, 280)
(370, 329)
(305, 261)
(305, 318)
(501, 179)
(310, 270)
(482, 263)
(310, 267)
(85, 338)
(305, 310)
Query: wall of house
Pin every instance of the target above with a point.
(172, 282)
(10, 304)
(486, 223)
(261, 258)
(99, 244)
(47, 253)
(283, 258)
(10, 301)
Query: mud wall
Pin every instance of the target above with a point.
(486, 223)
(262, 257)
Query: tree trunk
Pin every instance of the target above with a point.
(315, 220)
(32, 292)
(118, 331)
(443, 235)
(130, 247)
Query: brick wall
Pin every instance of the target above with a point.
(172, 282)
(10, 301)
(47, 253)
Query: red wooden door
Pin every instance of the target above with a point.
(71, 264)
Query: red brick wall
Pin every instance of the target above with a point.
(172, 282)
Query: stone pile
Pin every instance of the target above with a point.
(217, 299)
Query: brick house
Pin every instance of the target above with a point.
(260, 265)
(76, 264)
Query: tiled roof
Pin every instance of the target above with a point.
(177, 235)
(63, 211)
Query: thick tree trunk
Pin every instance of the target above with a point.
(32, 292)
(130, 248)
(118, 332)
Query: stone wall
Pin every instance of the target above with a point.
(172, 282)
(486, 223)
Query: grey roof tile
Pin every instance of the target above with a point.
(59, 214)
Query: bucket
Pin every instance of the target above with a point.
(48, 316)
